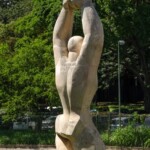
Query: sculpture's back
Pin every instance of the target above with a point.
(76, 76)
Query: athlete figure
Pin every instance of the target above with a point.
(76, 61)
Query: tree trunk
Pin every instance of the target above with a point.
(39, 124)
(147, 100)
(144, 85)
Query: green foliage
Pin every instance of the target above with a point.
(103, 108)
(123, 137)
(27, 76)
(32, 76)
(27, 66)
(129, 137)
(147, 143)
(105, 137)
(128, 20)
(27, 137)
(12, 9)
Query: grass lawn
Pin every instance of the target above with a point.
(125, 108)
(27, 137)
(128, 137)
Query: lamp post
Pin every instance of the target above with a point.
(120, 42)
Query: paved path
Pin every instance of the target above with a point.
(52, 148)
(27, 147)
(48, 148)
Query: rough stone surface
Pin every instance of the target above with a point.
(52, 148)
(76, 61)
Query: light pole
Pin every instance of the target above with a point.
(120, 42)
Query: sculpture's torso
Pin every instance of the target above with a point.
(76, 88)
(75, 85)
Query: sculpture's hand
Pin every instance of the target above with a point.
(76, 4)
(67, 4)
(80, 3)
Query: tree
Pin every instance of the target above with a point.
(29, 69)
(32, 76)
(128, 20)
(12, 9)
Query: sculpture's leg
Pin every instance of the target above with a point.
(63, 143)
(90, 148)
(87, 139)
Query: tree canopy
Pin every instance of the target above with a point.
(128, 20)
(26, 58)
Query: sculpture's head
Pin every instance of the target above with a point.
(75, 43)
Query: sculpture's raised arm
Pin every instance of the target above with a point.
(93, 33)
(62, 31)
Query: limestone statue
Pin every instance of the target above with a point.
(76, 61)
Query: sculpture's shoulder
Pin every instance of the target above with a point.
(61, 61)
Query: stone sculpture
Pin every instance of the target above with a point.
(76, 62)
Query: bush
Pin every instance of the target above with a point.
(129, 136)
(147, 143)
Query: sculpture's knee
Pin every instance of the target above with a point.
(61, 123)
(63, 143)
